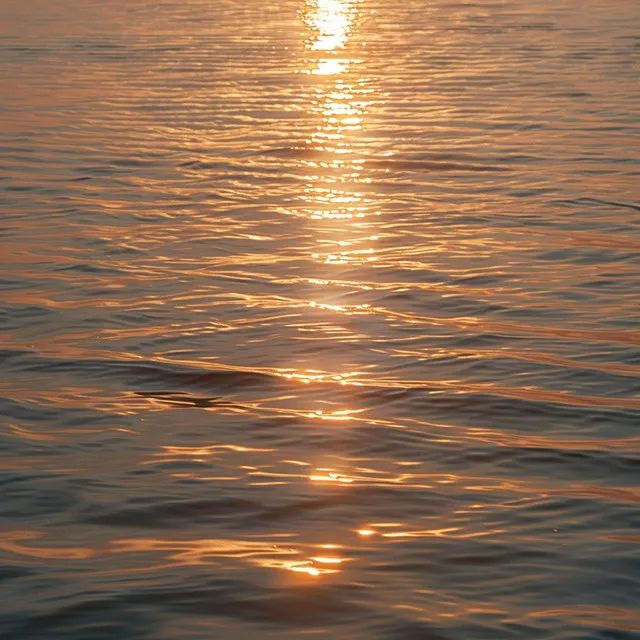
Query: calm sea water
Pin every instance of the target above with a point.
(319, 318)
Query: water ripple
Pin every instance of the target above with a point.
(319, 318)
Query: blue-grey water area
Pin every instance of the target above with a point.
(319, 319)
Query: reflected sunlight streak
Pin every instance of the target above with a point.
(331, 20)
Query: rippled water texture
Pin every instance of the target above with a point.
(319, 318)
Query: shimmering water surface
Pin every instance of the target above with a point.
(319, 318)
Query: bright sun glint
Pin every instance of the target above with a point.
(332, 22)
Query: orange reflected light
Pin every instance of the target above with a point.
(334, 415)
(330, 477)
(313, 566)
(331, 19)
(312, 571)
(325, 560)
(422, 534)
(330, 67)
(320, 377)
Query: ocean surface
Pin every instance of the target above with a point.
(319, 319)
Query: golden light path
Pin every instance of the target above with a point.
(334, 200)
(335, 189)
(335, 204)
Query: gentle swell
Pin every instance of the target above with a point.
(319, 318)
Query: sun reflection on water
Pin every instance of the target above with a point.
(331, 21)
(336, 192)
(337, 204)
